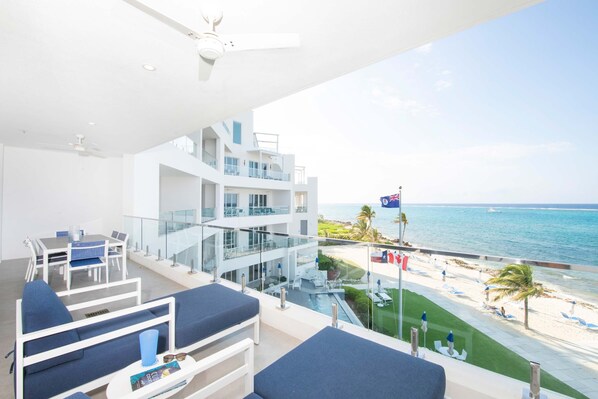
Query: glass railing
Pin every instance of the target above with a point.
(256, 211)
(208, 214)
(178, 220)
(245, 171)
(209, 159)
(301, 209)
(389, 289)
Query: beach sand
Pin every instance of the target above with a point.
(564, 348)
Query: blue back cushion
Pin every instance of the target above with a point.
(41, 308)
(86, 250)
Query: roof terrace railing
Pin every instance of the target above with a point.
(452, 288)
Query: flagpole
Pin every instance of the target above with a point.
(400, 267)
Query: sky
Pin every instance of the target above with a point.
(504, 112)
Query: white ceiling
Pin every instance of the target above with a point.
(65, 63)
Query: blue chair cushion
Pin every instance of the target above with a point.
(114, 253)
(336, 364)
(253, 395)
(86, 262)
(98, 361)
(41, 308)
(204, 311)
(53, 258)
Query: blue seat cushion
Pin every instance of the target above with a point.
(86, 262)
(336, 364)
(253, 395)
(97, 361)
(41, 308)
(78, 395)
(204, 311)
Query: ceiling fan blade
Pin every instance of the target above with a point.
(205, 68)
(90, 154)
(260, 41)
(164, 19)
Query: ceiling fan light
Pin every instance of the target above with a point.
(78, 147)
(149, 67)
(210, 48)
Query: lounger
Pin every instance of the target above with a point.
(105, 344)
(323, 367)
(505, 316)
(385, 297)
(590, 326)
(374, 298)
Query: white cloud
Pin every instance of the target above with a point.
(445, 72)
(443, 84)
(425, 49)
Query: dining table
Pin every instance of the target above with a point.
(53, 245)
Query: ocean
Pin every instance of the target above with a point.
(549, 232)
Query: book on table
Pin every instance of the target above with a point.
(146, 377)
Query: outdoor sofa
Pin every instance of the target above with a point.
(56, 355)
(332, 364)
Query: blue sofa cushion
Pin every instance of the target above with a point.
(336, 364)
(98, 361)
(205, 311)
(253, 395)
(41, 308)
(78, 395)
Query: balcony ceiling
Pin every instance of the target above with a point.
(66, 63)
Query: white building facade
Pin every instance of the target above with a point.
(236, 181)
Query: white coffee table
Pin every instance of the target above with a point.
(120, 385)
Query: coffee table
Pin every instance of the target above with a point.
(120, 385)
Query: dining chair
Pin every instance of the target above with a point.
(116, 253)
(65, 233)
(37, 261)
(86, 256)
(114, 234)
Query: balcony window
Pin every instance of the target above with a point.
(231, 166)
(231, 203)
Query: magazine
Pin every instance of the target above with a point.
(156, 374)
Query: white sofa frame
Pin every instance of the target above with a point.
(21, 362)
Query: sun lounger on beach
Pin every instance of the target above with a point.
(456, 292)
(570, 317)
(504, 316)
(590, 326)
(437, 345)
(463, 355)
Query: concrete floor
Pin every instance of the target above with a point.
(273, 343)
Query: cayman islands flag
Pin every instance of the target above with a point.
(390, 201)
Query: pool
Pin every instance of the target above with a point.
(322, 303)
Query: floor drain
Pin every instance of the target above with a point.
(97, 313)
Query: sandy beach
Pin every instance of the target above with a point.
(566, 345)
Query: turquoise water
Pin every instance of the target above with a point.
(550, 232)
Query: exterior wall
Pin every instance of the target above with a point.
(44, 191)
(167, 178)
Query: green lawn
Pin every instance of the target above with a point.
(349, 270)
(482, 350)
(330, 229)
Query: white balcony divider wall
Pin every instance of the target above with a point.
(44, 191)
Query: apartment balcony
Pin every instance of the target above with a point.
(301, 209)
(256, 211)
(209, 159)
(234, 170)
(208, 214)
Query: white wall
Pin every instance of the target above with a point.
(1, 190)
(179, 193)
(44, 191)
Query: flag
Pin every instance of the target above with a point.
(405, 260)
(390, 201)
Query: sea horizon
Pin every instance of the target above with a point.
(565, 232)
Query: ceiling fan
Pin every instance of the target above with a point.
(78, 146)
(212, 46)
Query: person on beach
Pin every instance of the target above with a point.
(503, 312)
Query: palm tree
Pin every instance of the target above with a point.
(360, 230)
(366, 214)
(402, 219)
(375, 235)
(517, 282)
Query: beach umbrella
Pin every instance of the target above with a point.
(279, 271)
(317, 263)
(487, 290)
(379, 286)
(451, 342)
(573, 306)
(424, 326)
(444, 275)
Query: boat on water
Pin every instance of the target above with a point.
(492, 210)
